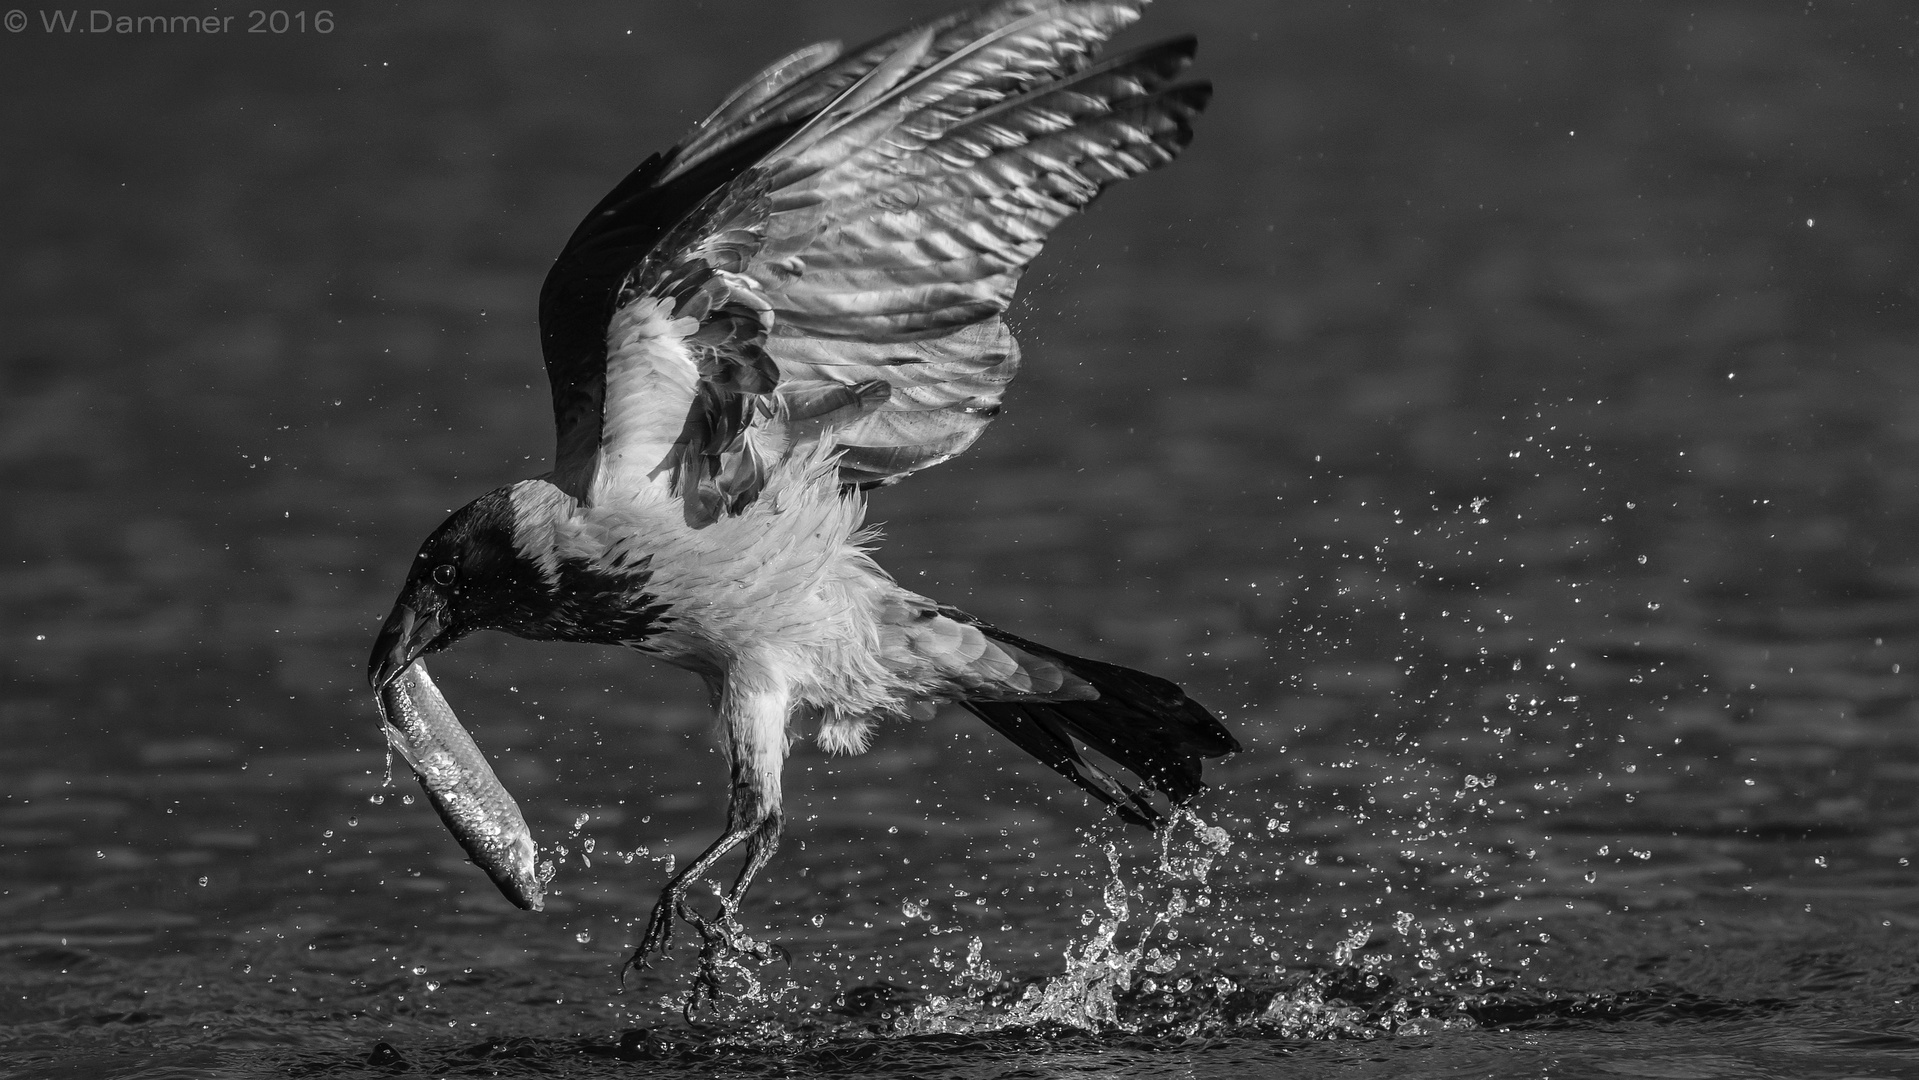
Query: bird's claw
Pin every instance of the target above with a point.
(762, 951)
(722, 938)
(659, 935)
(740, 943)
(724, 942)
(706, 987)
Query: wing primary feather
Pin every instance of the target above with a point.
(799, 100)
(856, 98)
(761, 88)
(1157, 64)
(850, 106)
(815, 146)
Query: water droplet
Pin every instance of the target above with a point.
(583, 936)
(377, 800)
(421, 970)
(203, 881)
(818, 920)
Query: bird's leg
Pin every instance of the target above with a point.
(753, 723)
(759, 851)
(724, 939)
(672, 901)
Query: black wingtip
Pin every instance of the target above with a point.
(1164, 59)
(1194, 96)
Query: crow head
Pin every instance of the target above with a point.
(471, 574)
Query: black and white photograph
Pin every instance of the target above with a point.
(1053, 538)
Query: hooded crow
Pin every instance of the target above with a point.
(800, 302)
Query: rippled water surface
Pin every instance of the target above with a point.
(1506, 416)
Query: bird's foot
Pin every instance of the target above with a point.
(659, 931)
(725, 947)
(722, 938)
(737, 941)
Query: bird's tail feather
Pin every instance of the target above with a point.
(1141, 722)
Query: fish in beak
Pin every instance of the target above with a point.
(462, 787)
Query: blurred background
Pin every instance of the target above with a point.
(1505, 414)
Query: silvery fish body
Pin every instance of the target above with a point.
(421, 727)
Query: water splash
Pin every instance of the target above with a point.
(1305, 1013)
(1140, 969)
(1100, 971)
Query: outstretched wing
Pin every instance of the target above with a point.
(860, 230)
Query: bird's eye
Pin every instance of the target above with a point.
(443, 574)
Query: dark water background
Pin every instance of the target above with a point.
(1506, 414)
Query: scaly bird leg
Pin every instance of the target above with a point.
(672, 901)
(754, 730)
(759, 851)
(725, 939)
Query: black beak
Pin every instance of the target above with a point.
(405, 638)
